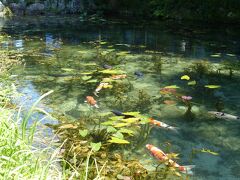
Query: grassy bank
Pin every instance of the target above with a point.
(19, 158)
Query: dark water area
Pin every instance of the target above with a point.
(60, 54)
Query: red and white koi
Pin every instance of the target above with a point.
(99, 88)
(160, 155)
(91, 101)
(162, 125)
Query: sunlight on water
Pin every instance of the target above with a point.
(57, 56)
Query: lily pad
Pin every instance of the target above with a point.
(185, 77)
(172, 87)
(212, 86)
(192, 83)
(92, 81)
(85, 78)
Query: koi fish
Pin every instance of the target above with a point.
(138, 74)
(91, 101)
(160, 155)
(106, 66)
(222, 115)
(162, 124)
(99, 88)
(121, 76)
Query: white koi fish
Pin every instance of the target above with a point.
(222, 115)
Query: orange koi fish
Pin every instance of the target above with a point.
(162, 124)
(91, 101)
(99, 88)
(121, 76)
(160, 155)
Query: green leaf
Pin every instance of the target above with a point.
(85, 78)
(132, 113)
(107, 80)
(185, 77)
(92, 81)
(83, 133)
(111, 129)
(121, 125)
(112, 71)
(118, 141)
(68, 69)
(89, 64)
(192, 83)
(118, 135)
(87, 73)
(131, 120)
(126, 131)
(103, 42)
(107, 123)
(96, 146)
(172, 87)
(116, 118)
(212, 86)
(122, 53)
(209, 151)
(216, 55)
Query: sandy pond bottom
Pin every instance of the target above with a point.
(59, 60)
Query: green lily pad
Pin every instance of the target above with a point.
(85, 78)
(118, 135)
(172, 87)
(92, 81)
(212, 86)
(192, 83)
(111, 129)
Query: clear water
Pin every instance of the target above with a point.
(54, 45)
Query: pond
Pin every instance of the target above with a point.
(67, 55)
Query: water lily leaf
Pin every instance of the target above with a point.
(92, 81)
(85, 78)
(83, 133)
(118, 135)
(87, 73)
(122, 53)
(68, 69)
(95, 146)
(172, 87)
(126, 131)
(185, 77)
(107, 80)
(118, 141)
(112, 71)
(116, 118)
(131, 120)
(169, 102)
(103, 42)
(121, 125)
(106, 123)
(216, 55)
(209, 151)
(192, 83)
(132, 113)
(111, 129)
(212, 86)
(231, 55)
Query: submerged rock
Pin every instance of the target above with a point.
(17, 9)
(35, 9)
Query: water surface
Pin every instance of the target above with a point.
(59, 50)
